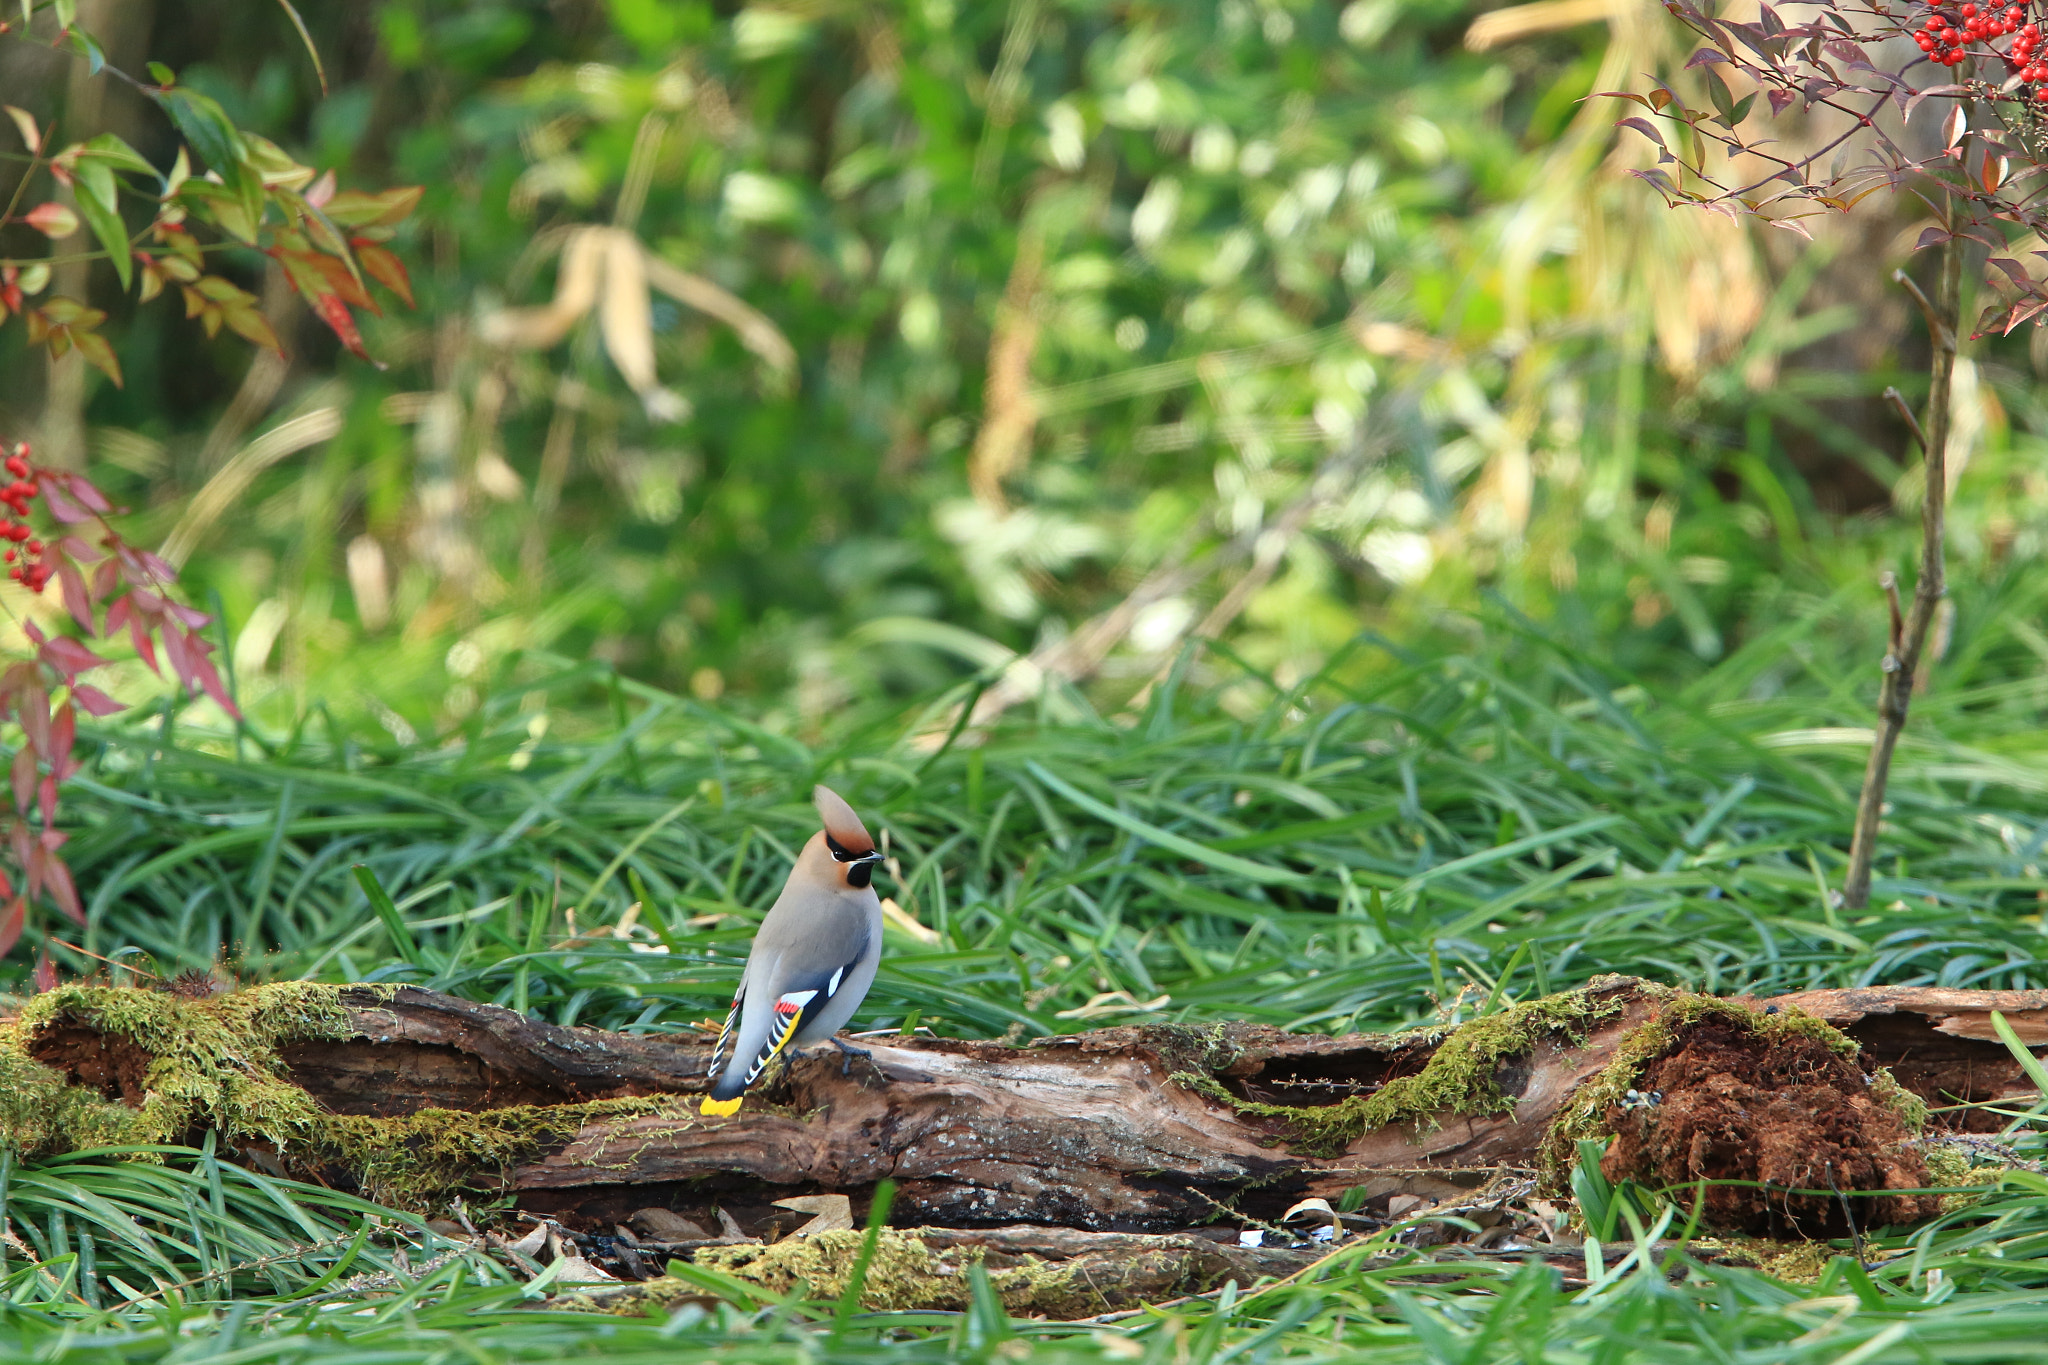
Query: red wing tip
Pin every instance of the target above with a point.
(840, 821)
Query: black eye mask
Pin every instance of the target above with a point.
(861, 872)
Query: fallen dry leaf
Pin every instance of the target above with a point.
(833, 1213)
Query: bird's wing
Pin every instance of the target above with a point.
(732, 1022)
(804, 990)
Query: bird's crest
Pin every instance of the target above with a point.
(842, 826)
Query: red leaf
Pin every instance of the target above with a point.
(385, 268)
(46, 798)
(191, 616)
(10, 924)
(174, 654)
(33, 631)
(138, 635)
(209, 678)
(22, 777)
(34, 705)
(335, 314)
(82, 488)
(76, 600)
(53, 220)
(63, 735)
(68, 656)
(63, 890)
(62, 508)
(106, 576)
(95, 702)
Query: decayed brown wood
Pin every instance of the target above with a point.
(1088, 1131)
(1939, 1042)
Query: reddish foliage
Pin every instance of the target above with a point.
(1843, 65)
(44, 694)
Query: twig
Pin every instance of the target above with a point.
(86, 952)
(1848, 1214)
(1905, 411)
(1889, 582)
(1902, 663)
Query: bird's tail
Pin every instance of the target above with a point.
(726, 1093)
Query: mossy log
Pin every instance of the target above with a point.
(414, 1096)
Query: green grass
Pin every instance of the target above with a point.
(1965, 1289)
(1497, 819)
(1346, 852)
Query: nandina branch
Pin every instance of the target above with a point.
(1906, 415)
(1902, 661)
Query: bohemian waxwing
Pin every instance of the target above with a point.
(813, 959)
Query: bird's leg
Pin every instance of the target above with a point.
(847, 1053)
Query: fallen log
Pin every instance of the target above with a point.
(415, 1097)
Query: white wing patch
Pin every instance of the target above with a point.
(796, 1000)
(832, 986)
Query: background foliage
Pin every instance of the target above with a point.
(1055, 307)
(788, 378)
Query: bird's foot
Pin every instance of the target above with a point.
(847, 1053)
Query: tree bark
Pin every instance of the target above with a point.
(1151, 1130)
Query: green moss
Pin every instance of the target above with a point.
(213, 1063)
(1188, 1050)
(1955, 1166)
(904, 1274)
(420, 1160)
(210, 1063)
(1458, 1079)
(1794, 1262)
(1585, 1114)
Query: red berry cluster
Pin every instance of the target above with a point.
(1943, 35)
(2025, 49)
(30, 570)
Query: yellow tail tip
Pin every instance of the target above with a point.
(721, 1108)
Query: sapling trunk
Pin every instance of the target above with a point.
(1909, 636)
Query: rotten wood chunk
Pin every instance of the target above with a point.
(1939, 1042)
(1141, 1131)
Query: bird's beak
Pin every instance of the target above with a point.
(873, 855)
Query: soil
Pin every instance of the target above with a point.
(1781, 1111)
